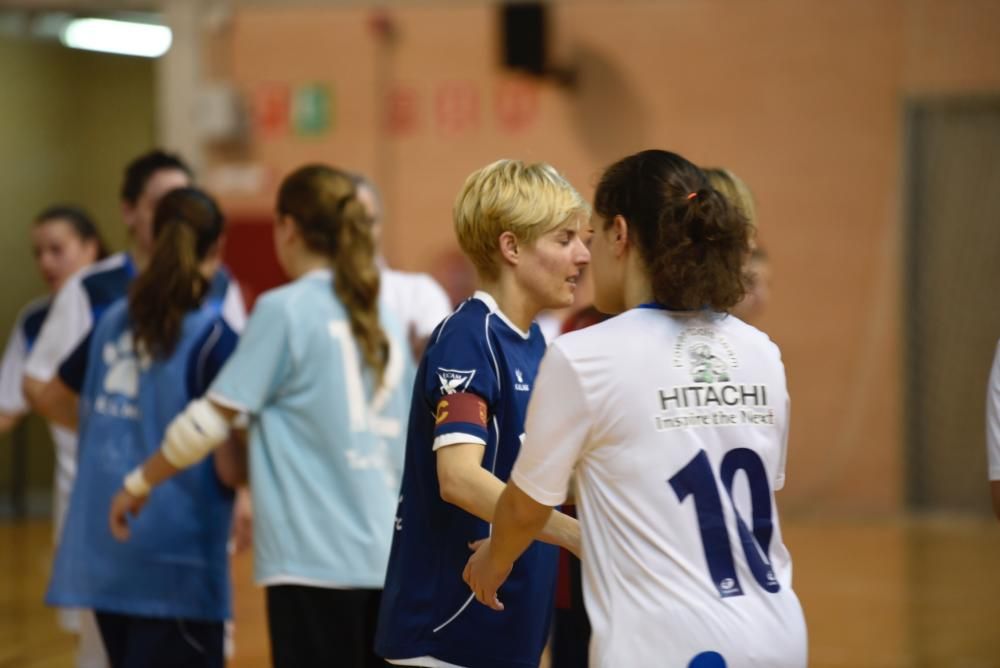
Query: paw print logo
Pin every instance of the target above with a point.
(124, 366)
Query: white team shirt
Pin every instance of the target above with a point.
(993, 417)
(417, 301)
(668, 421)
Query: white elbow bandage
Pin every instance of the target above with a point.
(194, 433)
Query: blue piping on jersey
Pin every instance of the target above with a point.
(493, 465)
(663, 307)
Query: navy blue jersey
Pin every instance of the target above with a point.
(472, 386)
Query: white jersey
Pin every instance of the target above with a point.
(993, 418)
(417, 301)
(675, 426)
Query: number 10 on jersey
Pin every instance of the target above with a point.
(698, 480)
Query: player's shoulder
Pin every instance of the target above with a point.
(112, 264)
(467, 320)
(36, 309)
(222, 279)
(281, 297)
(604, 335)
(108, 277)
(746, 335)
(116, 311)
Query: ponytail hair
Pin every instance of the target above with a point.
(323, 203)
(693, 242)
(187, 225)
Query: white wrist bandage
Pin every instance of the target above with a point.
(194, 433)
(136, 483)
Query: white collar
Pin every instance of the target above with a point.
(491, 304)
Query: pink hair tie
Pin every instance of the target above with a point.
(692, 195)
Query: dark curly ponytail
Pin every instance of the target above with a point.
(692, 241)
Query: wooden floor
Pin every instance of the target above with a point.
(910, 594)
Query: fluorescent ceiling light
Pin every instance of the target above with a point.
(124, 37)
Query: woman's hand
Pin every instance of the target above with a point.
(123, 505)
(484, 576)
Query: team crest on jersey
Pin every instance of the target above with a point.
(706, 353)
(454, 380)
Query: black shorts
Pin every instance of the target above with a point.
(314, 626)
(156, 642)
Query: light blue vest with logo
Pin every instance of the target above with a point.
(175, 564)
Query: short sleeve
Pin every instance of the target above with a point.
(556, 430)
(68, 322)
(261, 362)
(12, 400)
(460, 376)
(993, 418)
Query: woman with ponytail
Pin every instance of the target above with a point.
(325, 379)
(673, 418)
(162, 598)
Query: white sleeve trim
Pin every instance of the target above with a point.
(455, 438)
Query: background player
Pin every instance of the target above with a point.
(85, 297)
(64, 240)
(161, 599)
(520, 225)
(416, 300)
(674, 418)
(325, 376)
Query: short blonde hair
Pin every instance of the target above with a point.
(509, 196)
(734, 190)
